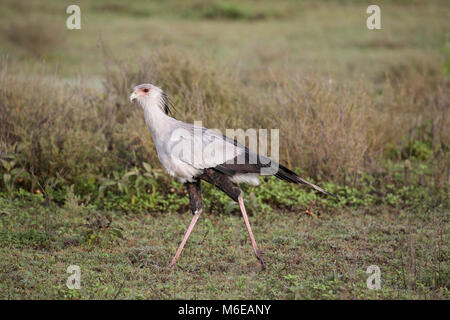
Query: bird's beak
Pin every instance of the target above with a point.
(133, 96)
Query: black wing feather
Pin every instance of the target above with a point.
(232, 168)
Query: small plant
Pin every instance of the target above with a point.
(133, 181)
(12, 172)
(99, 229)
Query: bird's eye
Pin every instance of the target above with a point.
(145, 90)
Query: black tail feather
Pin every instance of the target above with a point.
(290, 176)
(234, 167)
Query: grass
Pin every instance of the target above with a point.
(328, 38)
(307, 258)
(362, 113)
(316, 248)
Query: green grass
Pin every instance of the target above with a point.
(315, 247)
(308, 257)
(330, 37)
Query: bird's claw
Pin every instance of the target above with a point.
(171, 264)
(260, 256)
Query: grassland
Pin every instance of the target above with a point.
(363, 113)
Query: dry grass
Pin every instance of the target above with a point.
(331, 132)
(35, 35)
(328, 130)
(52, 129)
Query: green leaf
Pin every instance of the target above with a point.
(6, 178)
(117, 233)
(7, 165)
(147, 167)
(129, 174)
(108, 183)
(15, 171)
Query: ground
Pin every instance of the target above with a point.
(319, 254)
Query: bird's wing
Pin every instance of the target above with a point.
(202, 148)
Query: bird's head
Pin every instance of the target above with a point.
(144, 92)
(150, 96)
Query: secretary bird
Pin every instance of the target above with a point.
(192, 153)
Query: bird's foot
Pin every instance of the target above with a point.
(172, 263)
(260, 256)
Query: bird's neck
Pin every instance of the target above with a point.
(155, 118)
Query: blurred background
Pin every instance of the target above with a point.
(330, 38)
(364, 113)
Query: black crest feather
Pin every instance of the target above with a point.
(167, 104)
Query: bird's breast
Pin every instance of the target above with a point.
(178, 168)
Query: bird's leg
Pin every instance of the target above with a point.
(224, 183)
(186, 236)
(258, 254)
(195, 198)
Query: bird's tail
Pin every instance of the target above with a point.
(290, 176)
